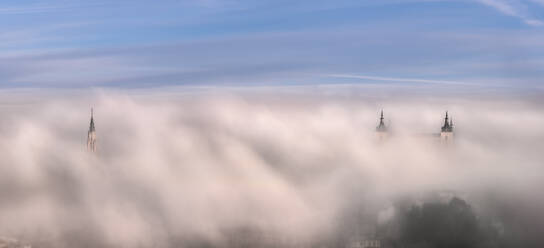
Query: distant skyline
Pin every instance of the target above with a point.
(126, 44)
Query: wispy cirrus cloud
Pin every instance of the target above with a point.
(541, 2)
(80, 44)
(515, 9)
(46, 7)
(404, 80)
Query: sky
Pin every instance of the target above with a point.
(294, 154)
(474, 44)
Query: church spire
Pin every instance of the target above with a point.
(447, 124)
(91, 135)
(446, 135)
(91, 125)
(381, 127)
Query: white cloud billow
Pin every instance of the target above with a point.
(171, 169)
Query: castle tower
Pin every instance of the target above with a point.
(381, 129)
(446, 133)
(91, 135)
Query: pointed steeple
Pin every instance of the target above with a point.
(381, 127)
(91, 125)
(447, 124)
(91, 135)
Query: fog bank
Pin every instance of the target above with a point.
(195, 170)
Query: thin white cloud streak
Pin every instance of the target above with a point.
(47, 7)
(405, 80)
(541, 2)
(510, 9)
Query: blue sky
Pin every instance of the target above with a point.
(79, 44)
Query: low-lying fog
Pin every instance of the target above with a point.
(304, 169)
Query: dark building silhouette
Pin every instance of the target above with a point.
(91, 135)
(381, 129)
(446, 133)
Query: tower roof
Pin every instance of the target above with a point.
(448, 126)
(91, 125)
(381, 127)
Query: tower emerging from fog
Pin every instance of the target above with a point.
(91, 135)
(381, 129)
(446, 133)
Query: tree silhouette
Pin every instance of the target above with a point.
(441, 225)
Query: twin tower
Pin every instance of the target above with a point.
(446, 132)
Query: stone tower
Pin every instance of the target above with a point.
(381, 129)
(91, 135)
(446, 133)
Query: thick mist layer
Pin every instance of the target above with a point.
(201, 169)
